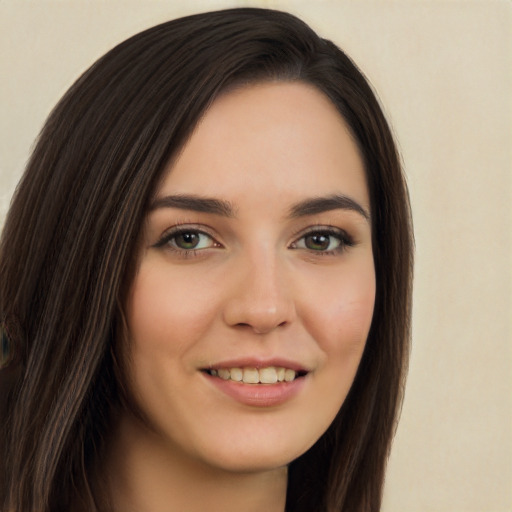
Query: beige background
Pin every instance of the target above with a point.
(443, 72)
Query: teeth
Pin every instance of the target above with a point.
(269, 375)
(223, 373)
(289, 375)
(237, 374)
(251, 376)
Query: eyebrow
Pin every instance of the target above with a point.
(225, 208)
(325, 204)
(195, 203)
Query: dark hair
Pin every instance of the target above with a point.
(68, 245)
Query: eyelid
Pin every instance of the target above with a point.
(322, 228)
(177, 229)
(345, 238)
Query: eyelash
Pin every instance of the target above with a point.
(168, 240)
(344, 239)
(170, 236)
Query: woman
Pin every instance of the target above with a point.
(205, 280)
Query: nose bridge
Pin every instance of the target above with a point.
(261, 297)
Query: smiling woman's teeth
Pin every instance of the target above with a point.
(269, 375)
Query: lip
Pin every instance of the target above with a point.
(258, 395)
(252, 362)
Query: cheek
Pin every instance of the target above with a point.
(166, 313)
(340, 324)
(341, 320)
(167, 316)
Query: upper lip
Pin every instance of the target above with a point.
(252, 362)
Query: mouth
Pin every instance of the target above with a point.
(250, 375)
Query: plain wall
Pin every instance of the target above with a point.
(442, 70)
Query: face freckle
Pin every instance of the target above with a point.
(257, 263)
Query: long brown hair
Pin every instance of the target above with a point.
(68, 245)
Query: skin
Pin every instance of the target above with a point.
(255, 286)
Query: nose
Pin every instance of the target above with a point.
(260, 298)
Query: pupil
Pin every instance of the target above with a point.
(187, 240)
(317, 242)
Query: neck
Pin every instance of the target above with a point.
(142, 475)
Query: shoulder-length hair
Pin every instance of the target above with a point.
(69, 243)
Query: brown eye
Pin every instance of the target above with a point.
(323, 241)
(187, 240)
(319, 242)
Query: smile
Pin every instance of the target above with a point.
(251, 375)
(266, 386)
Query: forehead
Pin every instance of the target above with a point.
(285, 138)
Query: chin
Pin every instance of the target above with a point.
(257, 453)
(256, 462)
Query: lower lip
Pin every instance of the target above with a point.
(258, 395)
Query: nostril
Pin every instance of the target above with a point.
(259, 329)
(264, 329)
(259, 315)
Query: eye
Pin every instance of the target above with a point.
(190, 240)
(187, 240)
(323, 241)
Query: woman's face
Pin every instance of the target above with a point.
(255, 289)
